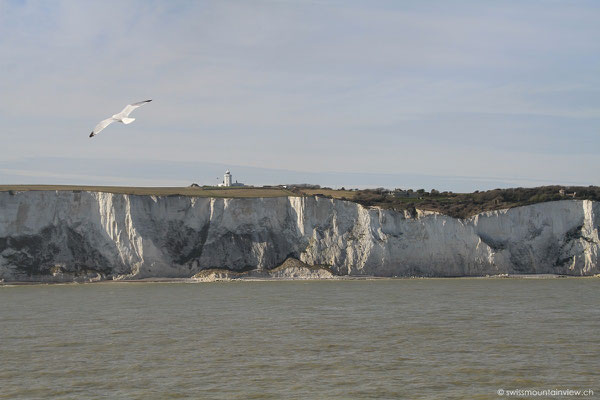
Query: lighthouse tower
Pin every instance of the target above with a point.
(227, 181)
(227, 178)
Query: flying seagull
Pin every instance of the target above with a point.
(120, 117)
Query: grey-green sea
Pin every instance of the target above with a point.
(348, 339)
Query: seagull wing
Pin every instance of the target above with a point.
(102, 125)
(130, 107)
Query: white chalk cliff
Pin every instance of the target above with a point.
(70, 235)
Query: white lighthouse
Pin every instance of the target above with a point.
(227, 178)
(228, 181)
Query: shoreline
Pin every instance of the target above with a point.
(281, 279)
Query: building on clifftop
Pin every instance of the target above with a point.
(227, 180)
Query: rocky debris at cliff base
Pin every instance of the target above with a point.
(530, 276)
(296, 269)
(216, 275)
(290, 269)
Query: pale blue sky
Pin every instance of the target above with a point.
(457, 95)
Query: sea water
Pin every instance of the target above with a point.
(351, 339)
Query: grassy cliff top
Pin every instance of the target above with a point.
(459, 205)
(202, 191)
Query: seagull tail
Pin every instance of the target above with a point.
(127, 120)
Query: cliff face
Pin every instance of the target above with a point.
(90, 235)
